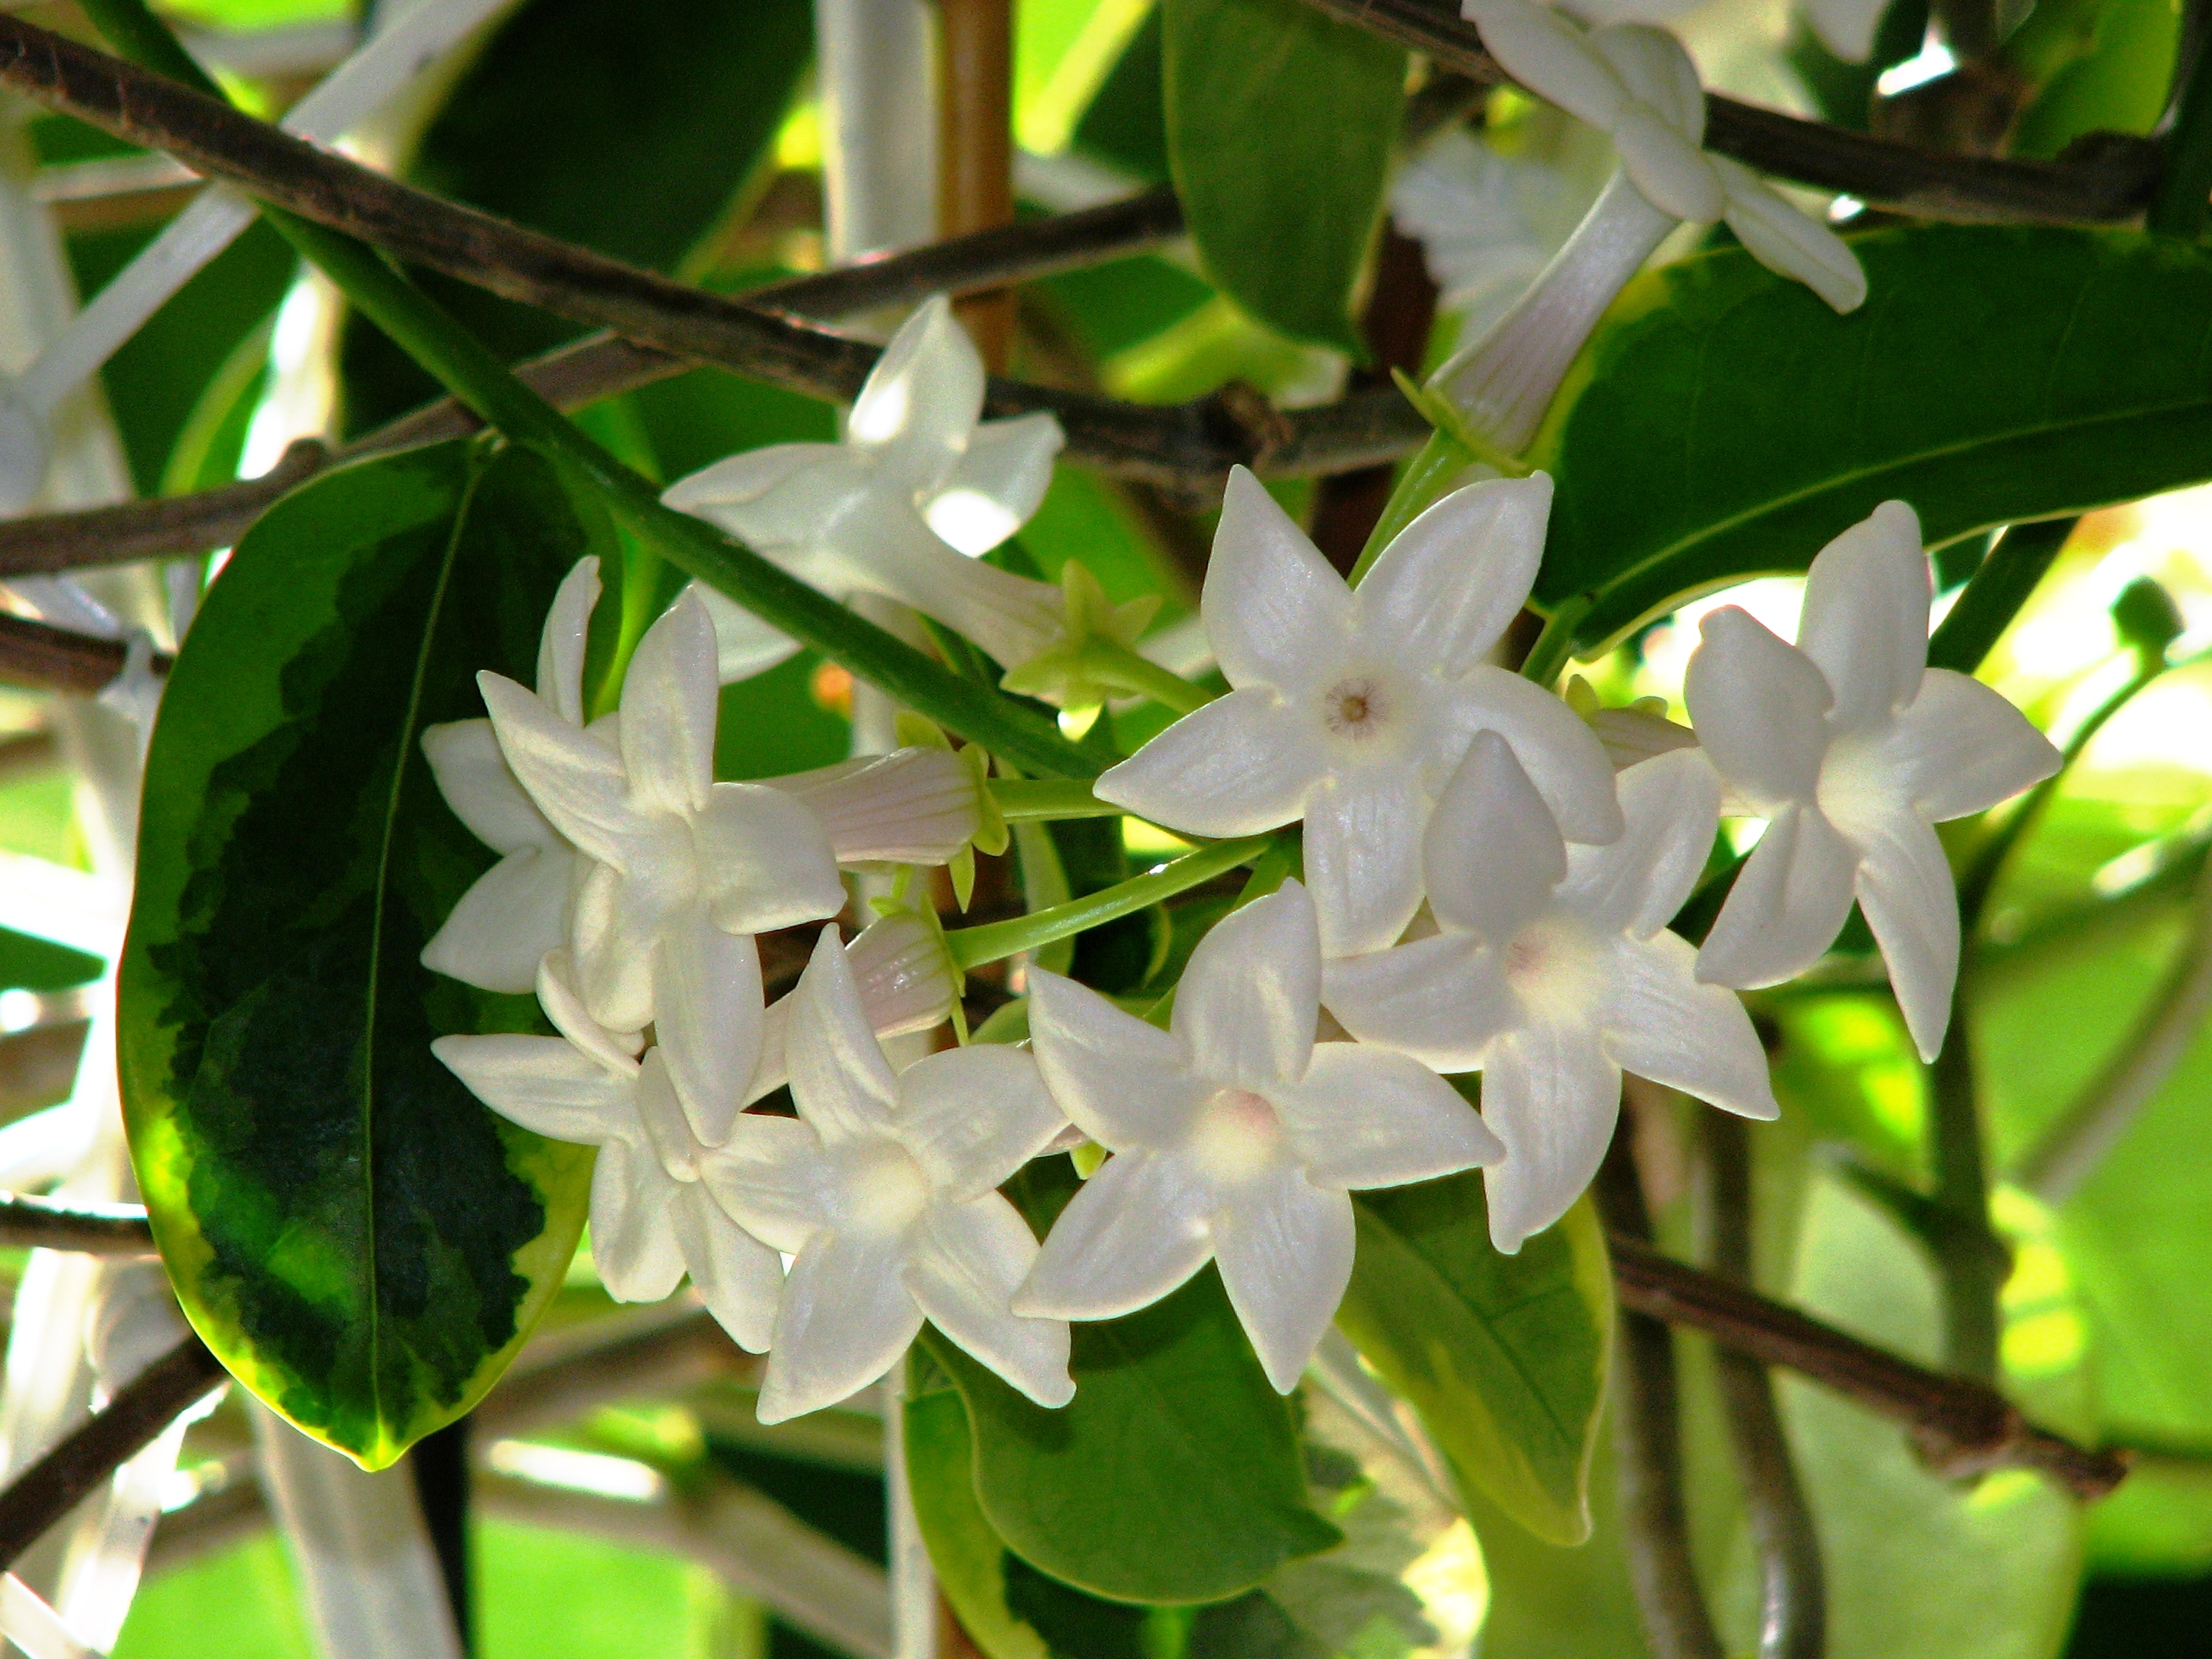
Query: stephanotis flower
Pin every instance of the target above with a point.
(1852, 749)
(1237, 1139)
(652, 1217)
(1637, 85)
(1552, 972)
(685, 870)
(883, 1193)
(1350, 708)
(519, 910)
(902, 508)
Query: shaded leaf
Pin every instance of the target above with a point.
(362, 1243)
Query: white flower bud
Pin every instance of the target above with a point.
(907, 980)
(913, 805)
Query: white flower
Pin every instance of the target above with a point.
(907, 981)
(915, 806)
(881, 1191)
(901, 508)
(1350, 708)
(684, 870)
(1236, 1138)
(1851, 748)
(1552, 972)
(1635, 84)
(652, 1217)
(519, 910)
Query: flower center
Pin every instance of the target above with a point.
(1555, 969)
(885, 1191)
(1237, 1135)
(1857, 784)
(1355, 707)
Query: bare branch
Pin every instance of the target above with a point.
(2115, 185)
(46, 1223)
(58, 1482)
(40, 656)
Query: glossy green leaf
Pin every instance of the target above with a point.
(1724, 422)
(1503, 1356)
(1280, 123)
(968, 1557)
(361, 1242)
(1173, 1476)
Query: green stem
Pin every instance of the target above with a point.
(973, 945)
(1117, 666)
(2185, 182)
(464, 366)
(1996, 592)
(1048, 797)
(1549, 654)
(1971, 1264)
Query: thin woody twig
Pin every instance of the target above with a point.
(46, 1223)
(57, 1483)
(1189, 447)
(2116, 184)
(40, 656)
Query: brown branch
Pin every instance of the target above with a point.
(1647, 1429)
(38, 656)
(1190, 447)
(1960, 1426)
(2115, 185)
(58, 1482)
(46, 1223)
(1793, 1590)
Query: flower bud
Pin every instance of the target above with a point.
(907, 980)
(913, 805)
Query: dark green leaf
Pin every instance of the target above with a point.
(968, 1557)
(1503, 1356)
(1174, 1474)
(1280, 123)
(1996, 374)
(363, 1243)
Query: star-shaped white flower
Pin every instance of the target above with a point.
(1350, 708)
(685, 870)
(1852, 747)
(1237, 1139)
(882, 1191)
(520, 908)
(1635, 84)
(1552, 972)
(901, 508)
(652, 1217)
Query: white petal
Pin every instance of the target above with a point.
(743, 645)
(1450, 582)
(707, 1014)
(768, 1178)
(1135, 1231)
(843, 1086)
(1758, 705)
(884, 546)
(963, 1264)
(737, 1277)
(1275, 613)
(1656, 70)
(576, 780)
(561, 642)
(616, 931)
(1241, 764)
(1443, 1000)
(922, 400)
(1671, 805)
(1124, 1083)
(633, 1246)
(1284, 1250)
(1667, 170)
(913, 805)
(736, 479)
(1788, 242)
(973, 1116)
(543, 1084)
(564, 1005)
(1790, 902)
(670, 699)
(1363, 856)
(1905, 888)
(1000, 480)
(1865, 621)
(765, 860)
(1249, 1000)
(1364, 1116)
(516, 911)
(474, 777)
(1551, 1096)
(1550, 57)
(1960, 747)
(1492, 854)
(1555, 747)
(844, 1319)
(1660, 1023)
